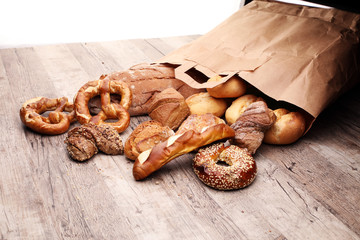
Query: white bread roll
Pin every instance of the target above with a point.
(288, 128)
(238, 107)
(201, 103)
(232, 88)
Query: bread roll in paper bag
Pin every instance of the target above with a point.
(301, 55)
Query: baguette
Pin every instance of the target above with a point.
(153, 159)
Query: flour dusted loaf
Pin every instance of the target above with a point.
(85, 141)
(251, 125)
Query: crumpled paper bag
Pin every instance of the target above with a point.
(301, 55)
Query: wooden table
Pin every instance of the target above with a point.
(307, 190)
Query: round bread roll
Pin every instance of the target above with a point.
(288, 128)
(232, 88)
(238, 107)
(201, 103)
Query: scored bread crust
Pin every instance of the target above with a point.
(169, 108)
(145, 81)
(151, 160)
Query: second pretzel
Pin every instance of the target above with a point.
(109, 110)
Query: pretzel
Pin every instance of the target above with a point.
(57, 121)
(104, 87)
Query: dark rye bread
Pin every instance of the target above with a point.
(86, 140)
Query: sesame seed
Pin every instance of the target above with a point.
(239, 172)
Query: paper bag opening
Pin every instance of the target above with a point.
(295, 54)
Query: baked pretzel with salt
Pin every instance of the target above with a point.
(104, 87)
(57, 121)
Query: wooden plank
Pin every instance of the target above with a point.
(326, 162)
(63, 69)
(57, 197)
(59, 59)
(158, 210)
(21, 201)
(284, 206)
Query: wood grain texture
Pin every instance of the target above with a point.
(306, 190)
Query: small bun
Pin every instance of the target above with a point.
(201, 103)
(232, 88)
(288, 128)
(238, 107)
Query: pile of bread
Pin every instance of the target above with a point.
(175, 108)
(184, 120)
(169, 102)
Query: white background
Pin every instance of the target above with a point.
(39, 22)
(34, 22)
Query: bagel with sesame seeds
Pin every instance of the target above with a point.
(238, 171)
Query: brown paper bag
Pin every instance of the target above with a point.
(301, 55)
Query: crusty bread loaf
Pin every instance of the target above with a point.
(238, 106)
(232, 88)
(145, 81)
(288, 128)
(146, 135)
(169, 108)
(201, 103)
